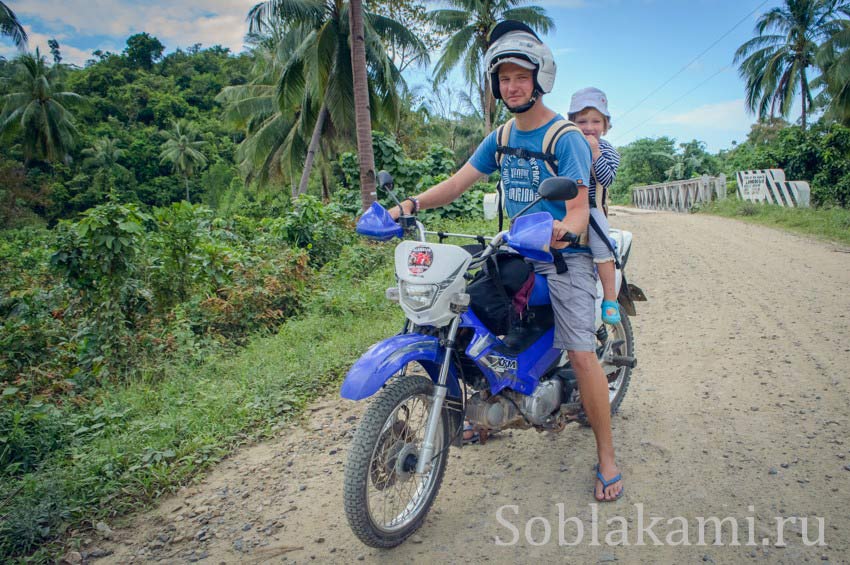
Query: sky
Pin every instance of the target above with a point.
(666, 65)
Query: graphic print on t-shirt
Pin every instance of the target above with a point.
(520, 178)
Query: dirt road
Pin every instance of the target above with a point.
(739, 409)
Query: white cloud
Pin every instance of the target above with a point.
(722, 115)
(561, 3)
(70, 54)
(178, 24)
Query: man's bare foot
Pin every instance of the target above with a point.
(612, 487)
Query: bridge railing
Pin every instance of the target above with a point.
(680, 195)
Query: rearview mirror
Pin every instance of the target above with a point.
(385, 180)
(558, 189)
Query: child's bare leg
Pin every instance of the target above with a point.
(608, 277)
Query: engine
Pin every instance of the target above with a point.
(512, 409)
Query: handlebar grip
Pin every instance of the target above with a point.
(570, 237)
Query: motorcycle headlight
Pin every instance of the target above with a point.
(418, 297)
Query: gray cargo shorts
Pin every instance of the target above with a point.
(573, 296)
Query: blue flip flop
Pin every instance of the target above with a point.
(606, 484)
(610, 312)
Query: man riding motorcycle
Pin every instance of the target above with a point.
(522, 69)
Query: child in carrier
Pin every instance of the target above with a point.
(589, 111)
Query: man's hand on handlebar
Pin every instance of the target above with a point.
(561, 236)
(408, 205)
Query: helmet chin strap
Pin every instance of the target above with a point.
(523, 107)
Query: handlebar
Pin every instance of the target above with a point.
(570, 237)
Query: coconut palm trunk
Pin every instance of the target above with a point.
(311, 151)
(362, 113)
(803, 90)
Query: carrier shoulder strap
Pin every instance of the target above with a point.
(601, 201)
(503, 133)
(555, 132)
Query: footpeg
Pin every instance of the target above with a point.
(623, 361)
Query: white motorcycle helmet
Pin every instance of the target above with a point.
(515, 42)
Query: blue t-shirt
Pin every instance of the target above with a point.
(521, 177)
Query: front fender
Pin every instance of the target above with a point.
(387, 357)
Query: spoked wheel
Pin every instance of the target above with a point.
(614, 340)
(385, 499)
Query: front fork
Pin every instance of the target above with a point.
(423, 465)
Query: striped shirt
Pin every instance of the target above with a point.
(604, 168)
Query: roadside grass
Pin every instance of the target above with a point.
(150, 436)
(163, 430)
(832, 224)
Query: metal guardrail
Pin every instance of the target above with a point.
(680, 195)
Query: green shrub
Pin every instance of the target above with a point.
(321, 230)
(748, 209)
(97, 256)
(410, 176)
(29, 432)
(261, 296)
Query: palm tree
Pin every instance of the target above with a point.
(103, 156)
(274, 144)
(315, 82)
(183, 150)
(35, 110)
(469, 23)
(834, 58)
(776, 61)
(362, 114)
(11, 27)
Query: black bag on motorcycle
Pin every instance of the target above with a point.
(500, 290)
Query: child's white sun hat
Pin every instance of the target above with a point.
(590, 97)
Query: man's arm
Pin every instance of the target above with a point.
(444, 192)
(576, 220)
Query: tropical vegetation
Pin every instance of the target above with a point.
(778, 60)
(11, 27)
(162, 210)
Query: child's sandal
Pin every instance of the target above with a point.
(610, 312)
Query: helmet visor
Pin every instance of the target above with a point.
(520, 61)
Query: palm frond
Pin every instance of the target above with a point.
(287, 11)
(449, 21)
(454, 51)
(12, 28)
(534, 16)
(394, 33)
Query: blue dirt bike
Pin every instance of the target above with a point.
(400, 448)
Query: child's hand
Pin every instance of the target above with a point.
(593, 141)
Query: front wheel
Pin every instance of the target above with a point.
(385, 499)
